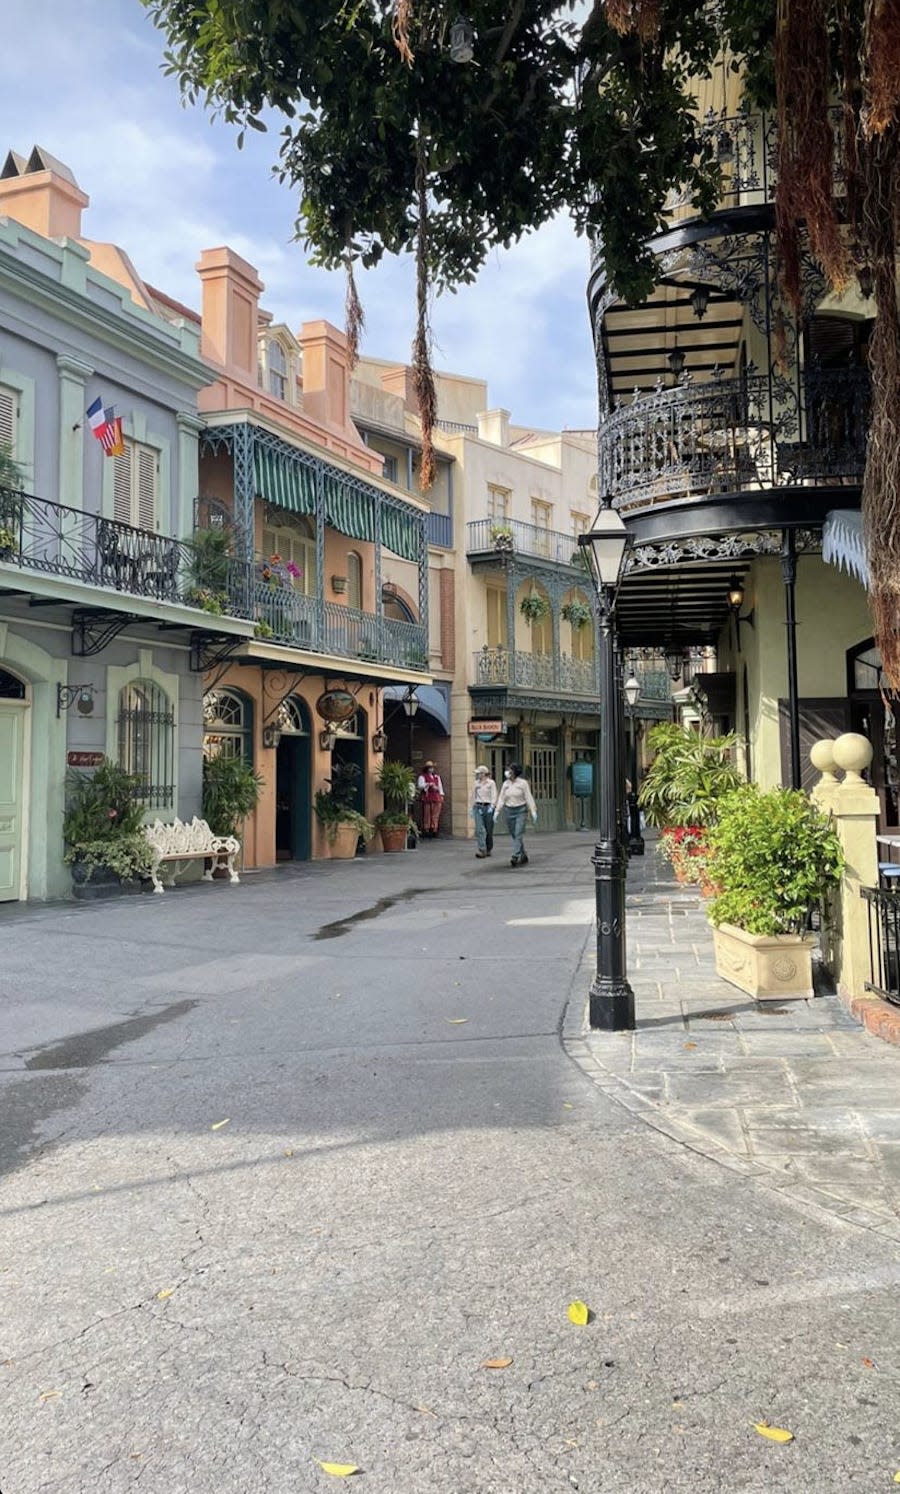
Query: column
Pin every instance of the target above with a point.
(73, 374)
(182, 519)
(854, 807)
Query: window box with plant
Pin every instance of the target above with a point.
(343, 825)
(533, 607)
(774, 857)
(398, 785)
(102, 831)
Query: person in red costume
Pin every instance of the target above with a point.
(432, 792)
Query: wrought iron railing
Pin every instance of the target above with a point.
(40, 535)
(285, 615)
(745, 145)
(439, 530)
(456, 427)
(514, 667)
(732, 435)
(884, 942)
(511, 536)
(656, 684)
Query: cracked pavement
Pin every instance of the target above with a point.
(414, 1177)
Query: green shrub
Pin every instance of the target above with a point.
(688, 778)
(775, 856)
(231, 790)
(102, 822)
(397, 783)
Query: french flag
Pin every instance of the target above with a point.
(105, 425)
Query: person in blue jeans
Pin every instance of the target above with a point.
(516, 801)
(484, 797)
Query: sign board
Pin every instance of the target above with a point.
(582, 780)
(487, 728)
(83, 759)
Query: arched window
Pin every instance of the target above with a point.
(227, 725)
(354, 581)
(278, 368)
(11, 688)
(293, 717)
(146, 737)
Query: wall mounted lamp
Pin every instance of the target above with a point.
(700, 301)
(80, 696)
(271, 736)
(735, 603)
(462, 40)
(379, 740)
(675, 361)
(327, 739)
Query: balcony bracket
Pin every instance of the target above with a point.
(92, 631)
(209, 650)
(284, 682)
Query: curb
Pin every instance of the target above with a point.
(877, 1016)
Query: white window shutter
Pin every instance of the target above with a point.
(122, 466)
(146, 488)
(9, 409)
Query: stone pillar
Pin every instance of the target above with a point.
(854, 807)
(182, 517)
(73, 375)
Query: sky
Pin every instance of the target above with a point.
(82, 78)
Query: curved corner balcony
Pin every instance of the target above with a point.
(751, 433)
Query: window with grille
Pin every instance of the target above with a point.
(146, 728)
(135, 486)
(227, 725)
(498, 503)
(277, 369)
(294, 540)
(496, 617)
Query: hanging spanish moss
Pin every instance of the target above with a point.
(882, 47)
(400, 24)
(354, 316)
(423, 375)
(640, 16)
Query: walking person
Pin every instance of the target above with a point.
(484, 797)
(516, 800)
(432, 792)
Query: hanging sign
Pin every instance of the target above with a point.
(336, 705)
(83, 759)
(487, 728)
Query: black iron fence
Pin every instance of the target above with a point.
(883, 906)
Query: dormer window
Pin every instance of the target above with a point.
(278, 369)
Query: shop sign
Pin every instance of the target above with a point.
(83, 759)
(487, 728)
(336, 705)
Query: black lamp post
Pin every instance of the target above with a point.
(410, 706)
(611, 1006)
(632, 692)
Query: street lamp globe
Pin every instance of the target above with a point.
(632, 690)
(606, 541)
(410, 702)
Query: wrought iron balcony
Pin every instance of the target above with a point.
(37, 534)
(439, 530)
(735, 435)
(517, 669)
(285, 615)
(496, 538)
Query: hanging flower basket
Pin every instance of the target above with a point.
(576, 614)
(534, 607)
(502, 537)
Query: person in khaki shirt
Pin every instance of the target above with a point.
(515, 801)
(481, 805)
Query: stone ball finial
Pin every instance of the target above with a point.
(853, 753)
(821, 755)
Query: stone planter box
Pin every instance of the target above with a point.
(343, 847)
(769, 967)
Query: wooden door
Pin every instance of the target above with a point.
(12, 733)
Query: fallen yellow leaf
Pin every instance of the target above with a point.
(579, 1313)
(567, 1105)
(289, 1151)
(496, 1364)
(690, 1045)
(456, 1021)
(338, 1470)
(166, 1292)
(219, 1124)
(897, 1477)
(774, 1434)
(47, 1395)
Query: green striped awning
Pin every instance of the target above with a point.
(285, 482)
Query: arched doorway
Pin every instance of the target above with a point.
(293, 782)
(13, 695)
(350, 748)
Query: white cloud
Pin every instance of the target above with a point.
(85, 81)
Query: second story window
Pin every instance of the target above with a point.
(278, 369)
(541, 518)
(391, 468)
(580, 523)
(136, 486)
(354, 581)
(498, 503)
(496, 617)
(9, 412)
(294, 542)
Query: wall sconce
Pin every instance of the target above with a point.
(700, 301)
(462, 40)
(724, 148)
(735, 603)
(327, 739)
(80, 696)
(271, 736)
(339, 585)
(379, 741)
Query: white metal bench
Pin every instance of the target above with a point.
(176, 841)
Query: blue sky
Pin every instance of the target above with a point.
(84, 81)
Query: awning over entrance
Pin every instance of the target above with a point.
(843, 544)
(432, 698)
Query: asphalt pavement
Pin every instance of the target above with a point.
(285, 1165)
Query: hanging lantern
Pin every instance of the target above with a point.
(700, 301)
(676, 361)
(462, 40)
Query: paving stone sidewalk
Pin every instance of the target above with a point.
(798, 1095)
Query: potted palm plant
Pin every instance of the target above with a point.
(343, 825)
(231, 790)
(682, 790)
(102, 831)
(773, 857)
(397, 783)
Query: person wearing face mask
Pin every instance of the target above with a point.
(516, 800)
(484, 797)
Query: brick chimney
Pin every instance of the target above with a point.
(326, 374)
(230, 311)
(42, 194)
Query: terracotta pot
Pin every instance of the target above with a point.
(343, 846)
(393, 837)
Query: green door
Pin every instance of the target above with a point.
(12, 733)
